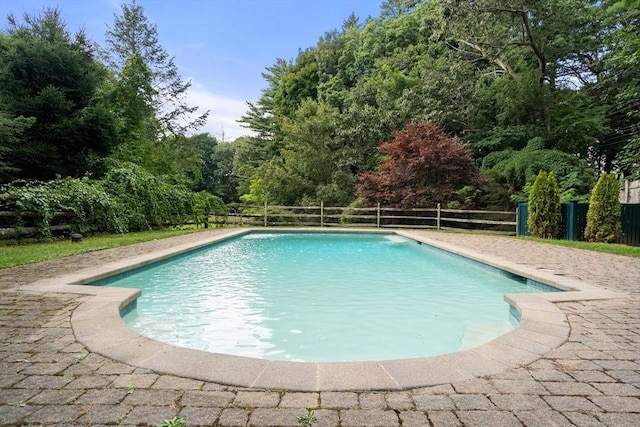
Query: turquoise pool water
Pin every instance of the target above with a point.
(321, 297)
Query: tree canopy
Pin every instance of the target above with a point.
(50, 96)
(423, 167)
(492, 88)
(523, 82)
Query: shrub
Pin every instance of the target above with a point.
(206, 204)
(148, 200)
(83, 203)
(544, 206)
(93, 210)
(603, 216)
(128, 198)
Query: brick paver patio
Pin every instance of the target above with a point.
(47, 378)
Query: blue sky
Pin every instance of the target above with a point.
(223, 46)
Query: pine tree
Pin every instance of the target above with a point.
(132, 44)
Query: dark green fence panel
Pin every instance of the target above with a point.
(574, 221)
(522, 228)
(631, 224)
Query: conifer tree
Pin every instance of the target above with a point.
(603, 216)
(133, 47)
(544, 206)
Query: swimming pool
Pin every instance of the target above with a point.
(321, 297)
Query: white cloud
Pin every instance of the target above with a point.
(223, 113)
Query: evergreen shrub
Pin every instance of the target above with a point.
(544, 206)
(603, 217)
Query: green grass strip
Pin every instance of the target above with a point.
(12, 253)
(611, 248)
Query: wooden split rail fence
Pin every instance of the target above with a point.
(25, 224)
(503, 222)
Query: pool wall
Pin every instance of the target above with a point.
(98, 326)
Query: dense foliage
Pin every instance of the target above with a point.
(49, 85)
(128, 198)
(423, 166)
(603, 216)
(399, 109)
(544, 206)
(531, 85)
(97, 136)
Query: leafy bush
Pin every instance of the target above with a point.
(544, 206)
(34, 199)
(148, 201)
(603, 216)
(206, 204)
(84, 204)
(93, 209)
(128, 198)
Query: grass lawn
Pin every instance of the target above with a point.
(600, 247)
(12, 253)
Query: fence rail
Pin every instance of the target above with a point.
(503, 222)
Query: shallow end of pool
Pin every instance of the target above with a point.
(543, 327)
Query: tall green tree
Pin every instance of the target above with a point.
(134, 39)
(149, 95)
(544, 206)
(11, 130)
(307, 169)
(52, 78)
(250, 153)
(216, 174)
(532, 57)
(621, 83)
(603, 216)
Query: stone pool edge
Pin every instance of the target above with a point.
(98, 326)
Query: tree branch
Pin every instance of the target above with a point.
(499, 62)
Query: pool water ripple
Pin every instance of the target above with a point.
(321, 297)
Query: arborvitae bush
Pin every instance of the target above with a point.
(544, 206)
(603, 216)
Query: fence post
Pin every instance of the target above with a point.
(265, 213)
(321, 214)
(571, 221)
(438, 218)
(627, 191)
(378, 216)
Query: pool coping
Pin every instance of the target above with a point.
(98, 326)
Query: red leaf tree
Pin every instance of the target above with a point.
(423, 166)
